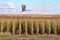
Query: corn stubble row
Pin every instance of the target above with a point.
(39, 26)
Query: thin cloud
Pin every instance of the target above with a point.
(45, 7)
(49, 5)
(8, 7)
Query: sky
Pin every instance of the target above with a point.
(32, 6)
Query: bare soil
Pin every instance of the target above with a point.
(30, 37)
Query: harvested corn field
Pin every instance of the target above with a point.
(29, 24)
